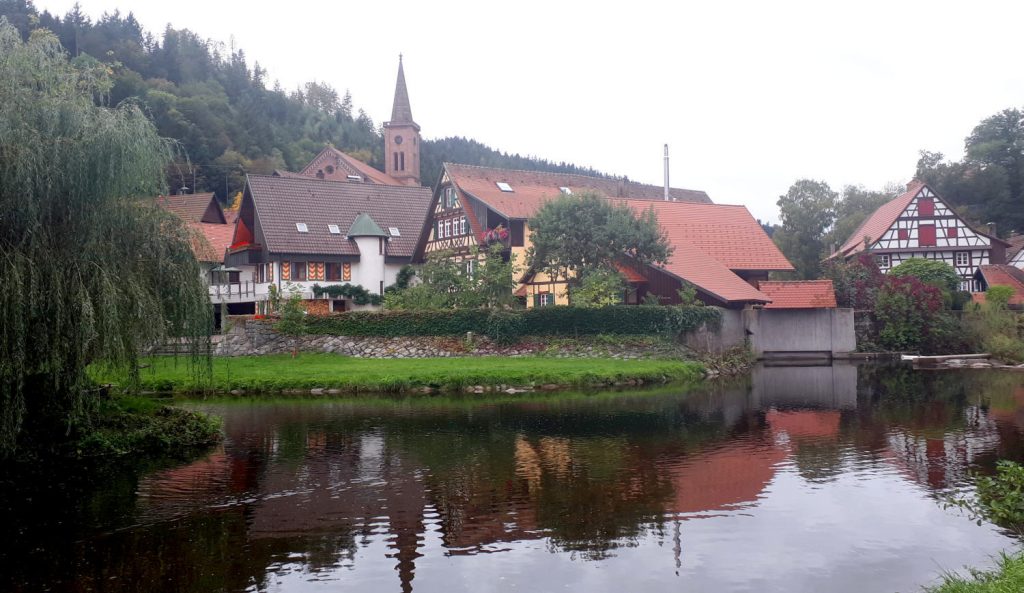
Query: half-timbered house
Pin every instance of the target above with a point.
(919, 224)
(1015, 252)
(721, 250)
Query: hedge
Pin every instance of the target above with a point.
(507, 326)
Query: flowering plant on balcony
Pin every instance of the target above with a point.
(498, 233)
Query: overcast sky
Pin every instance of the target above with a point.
(749, 96)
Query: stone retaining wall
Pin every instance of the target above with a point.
(248, 337)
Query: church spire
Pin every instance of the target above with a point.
(402, 137)
(401, 112)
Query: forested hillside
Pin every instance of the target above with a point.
(227, 115)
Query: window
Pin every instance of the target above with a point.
(951, 232)
(925, 207)
(883, 260)
(965, 286)
(926, 235)
(462, 225)
(380, 245)
(395, 155)
(301, 227)
(394, 231)
(903, 234)
(448, 228)
(401, 161)
(450, 199)
(543, 299)
(332, 271)
(503, 186)
(470, 268)
(334, 229)
(299, 271)
(963, 258)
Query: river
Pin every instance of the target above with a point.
(796, 479)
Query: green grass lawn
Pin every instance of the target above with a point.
(1008, 577)
(330, 371)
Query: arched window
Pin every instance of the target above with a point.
(401, 157)
(396, 161)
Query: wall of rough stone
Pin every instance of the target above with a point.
(248, 337)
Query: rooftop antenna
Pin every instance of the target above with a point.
(666, 172)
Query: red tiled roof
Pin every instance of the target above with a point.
(710, 241)
(880, 220)
(727, 233)
(1004, 275)
(193, 207)
(530, 189)
(210, 241)
(803, 294)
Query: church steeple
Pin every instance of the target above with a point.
(402, 136)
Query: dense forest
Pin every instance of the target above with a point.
(226, 116)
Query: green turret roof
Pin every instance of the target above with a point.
(364, 226)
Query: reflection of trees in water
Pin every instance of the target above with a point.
(305, 486)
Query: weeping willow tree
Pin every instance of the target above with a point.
(91, 271)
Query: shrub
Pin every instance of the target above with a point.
(930, 271)
(504, 327)
(856, 282)
(907, 309)
(999, 498)
(1005, 348)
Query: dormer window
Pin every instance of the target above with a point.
(503, 186)
(394, 231)
(301, 227)
(334, 229)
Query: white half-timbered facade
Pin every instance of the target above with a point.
(919, 224)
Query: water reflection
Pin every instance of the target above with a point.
(798, 479)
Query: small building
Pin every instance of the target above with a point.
(919, 224)
(294, 232)
(1000, 275)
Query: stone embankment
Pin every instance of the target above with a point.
(249, 337)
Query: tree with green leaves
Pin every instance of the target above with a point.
(580, 234)
(854, 207)
(484, 279)
(807, 212)
(91, 269)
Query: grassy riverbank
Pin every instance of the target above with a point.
(1008, 577)
(276, 373)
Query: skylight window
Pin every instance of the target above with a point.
(503, 186)
(335, 230)
(394, 231)
(566, 190)
(301, 227)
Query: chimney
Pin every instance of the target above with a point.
(992, 228)
(666, 172)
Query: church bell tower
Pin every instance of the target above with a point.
(402, 137)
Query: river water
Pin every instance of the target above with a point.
(798, 479)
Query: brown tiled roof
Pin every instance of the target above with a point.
(194, 207)
(530, 189)
(343, 165)
(1004, 275)
(283, 201)
(210, 241)
(1016, 245)
(880, 220)
(802, 294)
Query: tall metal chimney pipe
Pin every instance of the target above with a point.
(666, 172)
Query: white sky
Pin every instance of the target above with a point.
(750, 96)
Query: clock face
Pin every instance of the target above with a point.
(398, 139)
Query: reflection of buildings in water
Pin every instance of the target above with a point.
(831, 387)
(722, 479)
(942, 459)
